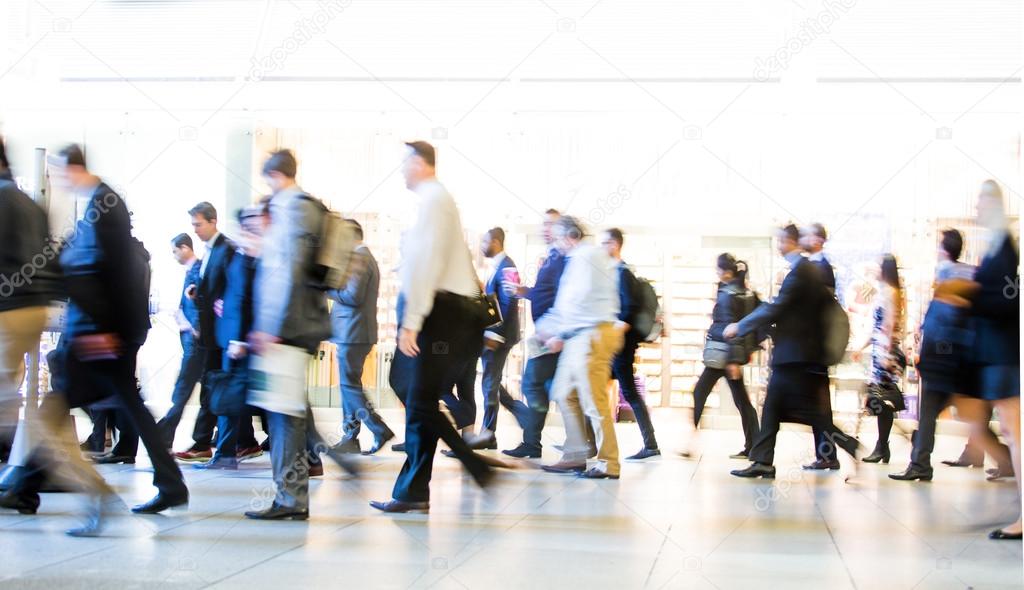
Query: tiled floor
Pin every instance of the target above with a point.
(668, 523)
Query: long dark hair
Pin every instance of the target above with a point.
(890, 271)
(741, 272)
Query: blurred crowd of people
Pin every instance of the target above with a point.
(254, 310)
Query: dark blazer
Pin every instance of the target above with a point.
(629, 305)
(509, 304)
(995, 311)
(187, 305)
(25, 234)
(828, 274)
(798, 314)
(236, 323)
(211, 287)
(106, 272)
(542, 294)
(354, 313)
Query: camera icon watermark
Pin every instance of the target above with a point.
(944, 347)
(62, 25)
(439, 348)
(692, 564)
(692, 132)
(944, 133)
(565, 25)
(188, 133)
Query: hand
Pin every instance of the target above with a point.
(260, 340)
(520, 290)
(554, 344)
(237, 350)
(407, 342)
(190, 291)
(218, 308)
(491, 344)
(97, 347)
(731, 331)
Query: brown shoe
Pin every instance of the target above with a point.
(249, 453)
(316, 470)
(191, 456)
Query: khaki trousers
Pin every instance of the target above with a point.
(580, 388)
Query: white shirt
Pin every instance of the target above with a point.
(434, 255)
(209, 248)
(817, 256)
(588, 293)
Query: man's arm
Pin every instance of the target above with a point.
(767, 314)
(423, 262)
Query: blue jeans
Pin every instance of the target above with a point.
(193, 363)
(355, 407)
(494, 391)
(537, 377)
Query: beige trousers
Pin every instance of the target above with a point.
(580, 388)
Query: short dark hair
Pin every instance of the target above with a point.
(615, 234)
(425, 151)
(553, 212)
(818, 230)
(496, 233)
(726, 262)
(73, 155)
(953, 243)
(356, 228)
(282, 162)
(208, 211)
(792, 232)
(182, 240)
(4, 163)
(572, 227)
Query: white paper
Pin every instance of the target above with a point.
(277, 380)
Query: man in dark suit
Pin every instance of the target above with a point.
(812, 240)
(622, 365)
(498, 341)
(799, 373)
(208, 293)
(354, 327)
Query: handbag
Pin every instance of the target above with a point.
(716, 354)
(485, 311)
(884, 394)
(228, 389)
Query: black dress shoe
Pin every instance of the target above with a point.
(740, 455)
(483, 444)
(400, 507)
(379, 443)
(878, 456)
(112, 459)
(565, 468)
(348, 447)
(912, 473)
(822, 465)
(756, 470)
(644, 453)
(523, 451)
(13, 501)
(1001, 535)
(159, 503)
(278, 512)
(961, 462)
(595, 473)
(398, 447)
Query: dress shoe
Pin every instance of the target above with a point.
(998, 474)
(740, 455)
(398, 447)
(483, 442)
(218, 464)
(912, 473)
(961, 462)
(1001, 535)
(379, 443)
(13, 501)
(400, 507)
(348, 446)
(822, 465)
(523, 451)
(112, 459)
(192, 456)
(249, 453)
(880, 454)
(159, 503)
(316, 470)
(265, 445)
(595, 473)
(756, 470)
(562, 467)
(278, 512)
(644, 453)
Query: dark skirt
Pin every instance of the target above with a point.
(995, 382)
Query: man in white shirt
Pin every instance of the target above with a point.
(584, 325)
(438, 332)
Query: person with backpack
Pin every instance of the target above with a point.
(622, 364)
(801, 315)
(733, 302)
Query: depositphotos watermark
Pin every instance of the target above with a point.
(305, 29)
(812, 28)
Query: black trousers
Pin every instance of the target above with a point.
(195, 361)
(748, 415)
(794, 396)
(623, 371)
(446, 342)
(459, 393)
(823, 449)
(932, 403)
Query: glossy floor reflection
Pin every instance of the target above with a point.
(668, 523)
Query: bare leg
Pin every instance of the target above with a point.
(1009, 423)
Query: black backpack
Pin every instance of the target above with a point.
(647, 324)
